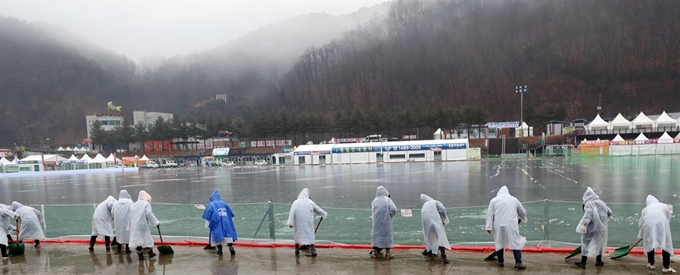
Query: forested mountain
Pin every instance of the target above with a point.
(448, 54)
(458, 60)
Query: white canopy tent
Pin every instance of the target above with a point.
(641, 137)
(664, 120)
(439, 134)
(86, 158)
(678, 136)
(112, 158)
(98, 159)
(51, 158)
(144, 158)
(60, 148)
(665, 138)
(642, 121)
(68, 148)
(4, 161)
(598, 124)
(618, 138)
(73, 157)
(619, 123)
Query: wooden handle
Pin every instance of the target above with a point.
(159, 233)
(635, 244)
(317, 225)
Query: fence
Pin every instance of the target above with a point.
(549, 222)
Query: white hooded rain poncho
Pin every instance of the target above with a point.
(593, 225)
(502, 218)
(434, 218)
(383, 213)
(6, 216)
(655, 226)
(102, 218)
(141, 217)
(301, 217)
(29, 228)
(121, 216)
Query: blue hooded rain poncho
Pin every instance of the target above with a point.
(220, 220)
(593, 225)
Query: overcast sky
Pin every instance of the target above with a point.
(168, 27)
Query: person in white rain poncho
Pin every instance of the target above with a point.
(301, 219)
(101, 223)
(29, 228)
(5, 224)
(593, 227)
(655, 229)
(502, 218)
(121, 218)
(434, 218)
(141, 216)
(383, 213)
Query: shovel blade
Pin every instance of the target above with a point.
(574, 253)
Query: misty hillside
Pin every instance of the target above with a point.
(450, 54)
(46, 87)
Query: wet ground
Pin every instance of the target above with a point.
(75, 259)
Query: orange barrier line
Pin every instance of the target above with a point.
(485, 249)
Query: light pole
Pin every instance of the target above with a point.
(521, 90)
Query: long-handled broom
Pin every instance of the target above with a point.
(163, 249)
(16, 248)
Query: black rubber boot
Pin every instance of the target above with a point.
(443, 258)
(231, 249)
(219, 250)
(313, 250)
(107, 243)
(151, 254)
(582, 263)
(3, 248)
(37, 243)
(598, 261)
(119, 248)
(127, 249)
(93, 239)
(297, 249)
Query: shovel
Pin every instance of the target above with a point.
(163, 249)
(317, 225)
(623, 251)
(16, 248)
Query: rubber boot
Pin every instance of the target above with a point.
(582, 263)
(598, 261)
(140, 252)
(443, 258)
(93, 239)
(37, 243)
(151, 254)
(430, 256)
(127, 249)
(425, 252)
(231, 249)
(313, 250)
(375, 252)
(297, 249)
(388, 255)
(107, 243)
(119, 248)
(219, 250)
(3, 248)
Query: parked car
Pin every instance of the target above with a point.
(229, 163)
(261, 162)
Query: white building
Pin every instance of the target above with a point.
(107, 121)
(148, 118)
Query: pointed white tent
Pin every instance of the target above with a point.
(618, 138)
(68, 148)
(86, 158)
(620, 123)
(641, 137)
(111, 158)
(584, 140)
(73, 157)
(98, 159)
(642, 121)
(51, 158)
(144, 158)
(60, 148)
(665, 138)
(598, 124)
(678, 136)
(664, 120)
(4, 161)
(439, 134)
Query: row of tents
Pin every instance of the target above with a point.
(59, 159)
(665, 138)
(640, 122)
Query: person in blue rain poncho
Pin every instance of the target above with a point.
(655, 229)
(220, 220)
(383, 212)
(121, 217)
(593, 227)
(301, 219)
(102, 223)
(502, 219)
(29, 226)
(434, 218)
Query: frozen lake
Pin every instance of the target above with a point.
(456, 184)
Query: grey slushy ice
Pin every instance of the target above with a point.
(75, 259)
